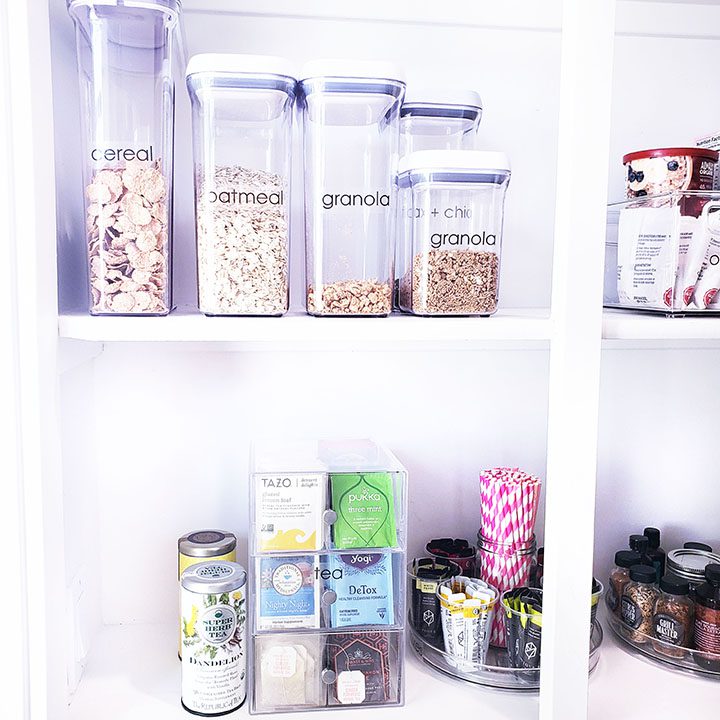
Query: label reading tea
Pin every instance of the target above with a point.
(288, 510)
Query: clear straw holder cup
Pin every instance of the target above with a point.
(124, 53)
(350, 113)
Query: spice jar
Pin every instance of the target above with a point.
(350, 112)
(707, 620)
(656, 553)
(451, 223)
(620, 577)
(641, 545)
(125, 52)
(673, 617)
(242, 140)
(689, 564)
(638, 603)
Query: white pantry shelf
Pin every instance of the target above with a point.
(187, 326)
(133, 673)
(660, 331)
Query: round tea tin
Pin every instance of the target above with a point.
(214, 637)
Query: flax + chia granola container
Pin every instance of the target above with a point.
(451, 208)
(125, 51)
(214, 638)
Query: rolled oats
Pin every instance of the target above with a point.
(351, 297)
(242, 238)
(127, 240)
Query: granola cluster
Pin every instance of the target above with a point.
(127, 225)
(351, 297)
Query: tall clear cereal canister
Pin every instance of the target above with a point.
(124, 51)
(350, 113)
(451, 208)
(242, 139)
(439, 119)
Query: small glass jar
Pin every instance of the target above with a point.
(656, 553)
(125, 51)
(620, 577)
(638, 604)
(439, 119)
(689, 564)
(451, 223)
(242, 143)
(673, 618)
(707, 620)
(350, 112)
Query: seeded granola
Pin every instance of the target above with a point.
(242, 238)
(128, 249)
(351, 297)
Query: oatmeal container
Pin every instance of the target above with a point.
(439, 119)
(125, 51)
(214, 638)
(242, 141)
(350, 112)
(451, 205)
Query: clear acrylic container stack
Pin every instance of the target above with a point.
(125, 50)
(327, 547)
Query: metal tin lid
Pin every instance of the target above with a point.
(236, 63)
(689, 563)
(213, 577)
(207, 543)
(456, 161)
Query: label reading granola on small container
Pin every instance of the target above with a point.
(630, 613)
(667, 628)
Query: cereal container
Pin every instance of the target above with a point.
(350, 112)
(439, 119)
(214, 636)
(451, 208)
(242, 134)
(125, 50)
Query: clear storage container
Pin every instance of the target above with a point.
(451, 207)
(439, 119)
(125, 50)
(242, 142)
(350, 115)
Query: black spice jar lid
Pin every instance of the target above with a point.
(627, 558)
(697, 546)
(642, 573)
(673, 585)
(639, 543)
(712, 573)
(653, 536)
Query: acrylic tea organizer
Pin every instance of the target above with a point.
(688, 660)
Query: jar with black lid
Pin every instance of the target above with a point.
(638, 603)
(641, 544)
(620, 577)
(689, 564)
(656, 553)
(707, 619)
(698, 546)
(673, 618)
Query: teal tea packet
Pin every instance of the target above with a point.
(365, 510)
(363, 585)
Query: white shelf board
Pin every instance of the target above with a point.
(186, 326)
(657, 330)
(630, 687)
(133, 673)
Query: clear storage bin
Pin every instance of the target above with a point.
(350, 115)
(439, 119)
(451, 209)
(662, 253)
(327, 570)
(242, 143)
(124, 51)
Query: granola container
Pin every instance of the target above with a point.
(125, 54)
(350, 112)
(242, 142)
(439, 119)
(663, 170)
(451, 205)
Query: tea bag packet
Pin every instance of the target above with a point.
(425, 605)
(457, 550)
(289, 511)
(287, 672)
(289, 593)
(361, 663)
(363, 585)
(365, 509)
(523, 616)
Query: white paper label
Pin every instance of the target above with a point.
(351, 687)
(282, 662)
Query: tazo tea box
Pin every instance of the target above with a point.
(363, 585)
(365, 510)
(289, 593)
(289, 511)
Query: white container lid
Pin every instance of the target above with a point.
(442, 96)
(341, 68)
(236, 63)
(455, 160)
